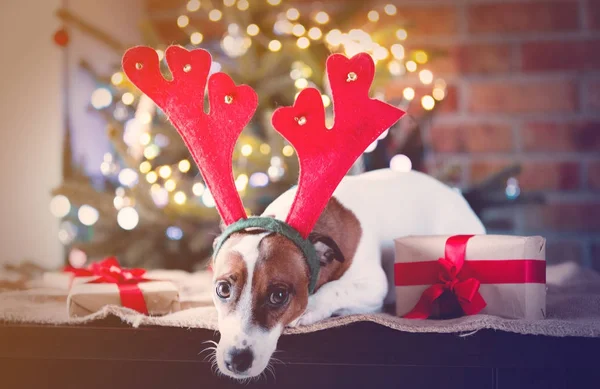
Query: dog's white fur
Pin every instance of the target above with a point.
(388, 205)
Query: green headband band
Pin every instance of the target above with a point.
(282, 228)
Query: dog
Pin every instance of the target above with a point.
(261, 278)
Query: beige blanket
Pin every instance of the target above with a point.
(573, 309)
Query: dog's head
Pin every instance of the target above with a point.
(261, 282)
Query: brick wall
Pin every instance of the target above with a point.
(525, 80)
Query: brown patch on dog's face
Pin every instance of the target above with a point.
(279, 283)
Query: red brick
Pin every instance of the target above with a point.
(467, 59)
(564, 251)
(580, 216)
(535, 176)
(523, 17)
(471, 138)
(523, 97)
(563, 55)
(426, 21)
(593, 14)
(594, 175)
(480, 170)
(592, 91)
(550, 176)
(570, 136)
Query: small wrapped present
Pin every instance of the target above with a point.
(435, 276)
(129, 288)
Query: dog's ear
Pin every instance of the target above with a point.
(327, 249)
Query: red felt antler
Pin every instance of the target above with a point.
(326, 155)
(209, 137)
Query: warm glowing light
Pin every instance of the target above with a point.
(288, 151)
(198, 189)
(292, 14)
(439, 94)
(274, 2)
(411, 66)
(426, 76)
(215, 15)
(274, 45)
(145, 167)
(401, 34)
(184, 166)
(326, 100)
(127, 98)
(303, 42)
(180, 198)
(117, 78)
(60, 206)
(243, 5)
(145, 139)
(151, 152)
(298, 30)
(253, 30)
(170, 185)
(283, 26)
(315, 33)
(421, 57)
(241, 182)
(128, 218)
(183, 21)
(165, 171)
(395, 68)
(208, 199)
(400, 163)
(101, 98)
(408, 93)
(265, 148)
(88, 215)
(301, 83)
(428, 102)
(193, 5)
(397, 51)
(259, 180)
(151, 177)
(321, 17)
(145, 117)
(334, 37)
(390, 9)
(380, 53)
(373, 16)
(371, 147)
(128, 177)
(228, 3)
(246, 150)
(196, 38)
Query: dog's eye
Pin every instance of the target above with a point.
(223, 289)
(278, 296)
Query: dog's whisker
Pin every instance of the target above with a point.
(211, 342)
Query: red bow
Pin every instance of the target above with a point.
(466, 291)
(109, 271)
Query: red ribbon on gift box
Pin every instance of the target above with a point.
(463, 278)
(127, 280)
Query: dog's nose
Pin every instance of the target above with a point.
(239, 360)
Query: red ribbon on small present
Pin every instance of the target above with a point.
(92, 269)
(463, 278)
(127, 280)
(466, 291)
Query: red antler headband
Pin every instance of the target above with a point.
(325, 154)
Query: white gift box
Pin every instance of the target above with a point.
(515, 265)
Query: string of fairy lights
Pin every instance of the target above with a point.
(171, 183)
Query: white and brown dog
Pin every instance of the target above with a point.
(261, 278)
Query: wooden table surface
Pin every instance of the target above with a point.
(109, 354)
